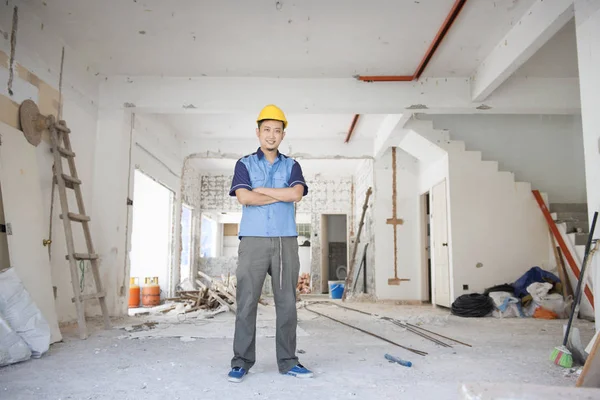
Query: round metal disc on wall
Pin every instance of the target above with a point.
(31, 122)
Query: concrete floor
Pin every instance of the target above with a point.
(347, 363)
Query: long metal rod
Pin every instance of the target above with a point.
(419, 352)
(434, 333)
(416, 332)
(410, 325)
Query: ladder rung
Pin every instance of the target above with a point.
(92, 296)
(71, 179)
(65, 153)
(68, 185)
(83, 256)
(77, 217)
(62, 128)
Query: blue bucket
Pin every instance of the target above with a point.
(336, 289)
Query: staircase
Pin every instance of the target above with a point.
(510, 227)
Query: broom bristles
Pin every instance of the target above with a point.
(561, 356)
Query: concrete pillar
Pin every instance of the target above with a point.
(587, 20)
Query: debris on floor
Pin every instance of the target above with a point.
(536, 294)
(303, 286)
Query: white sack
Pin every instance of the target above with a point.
(12, 348)
(21, 313)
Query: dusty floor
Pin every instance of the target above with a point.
(347, 364)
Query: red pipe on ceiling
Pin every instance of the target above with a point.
(450, 18)
(352, 126)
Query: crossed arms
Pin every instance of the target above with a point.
(264, 196)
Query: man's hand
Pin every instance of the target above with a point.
(253, 198)
(286, 195)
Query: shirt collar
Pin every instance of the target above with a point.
(261, 155)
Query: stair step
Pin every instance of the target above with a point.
(577, 226)
(490, 166)
(523, 186)
(569, 207)
(66, 153)
(77, 217)
(457, 145)
(71, 179)
(572, 216)
(83, 256)
(579, 239)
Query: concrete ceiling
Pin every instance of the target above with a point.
(342, 167)
(300, 126)
(285, 38)
(556, 59)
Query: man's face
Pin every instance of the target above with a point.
(270, 134)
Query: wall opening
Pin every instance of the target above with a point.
(152, 232)
(334, 248)
(219, 243)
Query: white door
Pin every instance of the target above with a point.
(439, 224)
(22, 198)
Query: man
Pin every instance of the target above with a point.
(267, 184)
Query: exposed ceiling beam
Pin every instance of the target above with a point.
(389, 130)
(450, 18)
(335, 96)
(535, 28)
(351, 129)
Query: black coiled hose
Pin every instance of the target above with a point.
(473, 305)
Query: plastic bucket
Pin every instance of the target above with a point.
(336, 289)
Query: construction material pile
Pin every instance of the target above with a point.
(212, 294)
(303, 286)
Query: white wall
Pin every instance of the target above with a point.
(124, 142)
(364, 178)
(587, 20)
(408, 239)
(38, 51)
(493, 222)
(545, 150)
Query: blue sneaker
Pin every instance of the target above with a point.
(236, 374)
(300, 372)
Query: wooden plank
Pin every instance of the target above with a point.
(350, 272)
(590, 376)
(561, 243)
(216, 297)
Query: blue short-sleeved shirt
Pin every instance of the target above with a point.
(271, 220)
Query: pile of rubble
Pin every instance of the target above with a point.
(303, 286)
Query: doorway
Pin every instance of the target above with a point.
(439, 245)
(334, 248)
(152, 232)
(425, 208)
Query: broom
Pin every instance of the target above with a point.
(561, 355)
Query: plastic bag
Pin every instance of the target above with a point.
(506, 305)
(12, 348)
(552, 302)
(21, 313)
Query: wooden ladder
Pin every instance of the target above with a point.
(60, 133)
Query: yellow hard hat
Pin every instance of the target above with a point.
(272, 112)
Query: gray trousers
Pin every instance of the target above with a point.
(257, 257)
